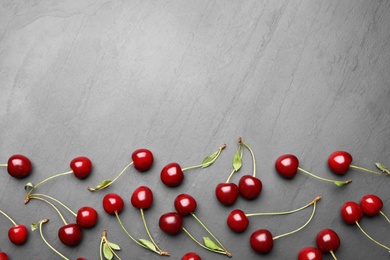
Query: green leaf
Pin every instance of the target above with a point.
(28, 186)
(107, 252)
(114, 246)
(237, 160)
(209, 159)
(148, 244)
(210, 244)
(34, 226)
(103, 184)
(340, 183)
(382, 168)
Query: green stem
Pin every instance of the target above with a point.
(51, 204)
(104, 240)
(334, 256)
(47, 243)
(111, 182)
(373, 240)
(230, 176)
(364, 169)
(209, 163)
(3, 165)
(54, 199)
(10, 219)
(101, 245)
(45, 180)
(252, 154)
(384, 215)
(338, 183)
(161, 252)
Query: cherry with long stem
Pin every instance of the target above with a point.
(107, 248)
(18, 233)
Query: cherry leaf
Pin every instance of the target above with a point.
(382, 168)
(114, 246)
(103, 184)
(211, 245)
(340, 183)
(148, 244)
(34, 226)
(28, 186)
(237, 160)
(210, 159)
(107, 252)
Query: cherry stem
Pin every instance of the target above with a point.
(384, 215)
(332, 253)
(54, 199)
(51, 204)
(230, 176)
(47, 243)
(364, 169)
(252, 154)
(373, 240)
(110, 182)
(338, 183)
(104, 240)
(284, 212)
(3, 165)
(208, 163)
(161, 252)
(304, 225)
(10, 219)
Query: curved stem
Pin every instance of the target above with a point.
(9, 218)
(252, 154)
(47, 179)
(161, 252)
(338, 183)
(54, 199)
(373, 240)
(47, 243)
(334, 256)
(110, 182)
(51, 204)
(208, 163)
(364, 169)
(384, 215)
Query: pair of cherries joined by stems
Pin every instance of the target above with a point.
(249, 187)
(327, 240)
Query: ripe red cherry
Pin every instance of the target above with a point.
(249, 187)
(142, 197)
(112, 203)
(371, 205)
(81, 258)
(327, 240)
(172, 174)
(287, 165)
(3, 256)
(70, 234)
(339, 162)
(87, 217)
(237, 221)
(310, 253)
(18, 234)
(19, 166)
(171, 223)
(191, 256)
(185, 204)
(261, 241)
(142, 159)
(227, 193)
(351, 212)
(81, 167)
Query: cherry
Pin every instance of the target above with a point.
(310, 253)
(249, 187)
(19, 166)
(227, 193)
(112, 203)
(87, 217)
(81, 167)
(3, 256)
(371, 205)
(18, 234)
(171, 223)
(287, 165)
(185, 204)
(70, 234)
(81, 258)
(328, 241)
(142, 197)
(191, 256)
(351, 212)
(261, 241)
(237, 221)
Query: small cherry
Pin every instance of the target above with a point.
(3, 256)
(70, 234)
(287, 165)
(112, 203)
(86, 217)
(18, 233)
(310, 253)
(328, 241)
(172, 173)
(18, 166)
(372, 205)
(142, 159)
(191, 256)
(171, 223)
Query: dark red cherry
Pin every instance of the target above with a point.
(18, 234)
(172, 174)
(371, 205)
(112, 203)
(351, 212)
(87, 217)
(142, 159)
(227, 193)
(142, 198)
(261, 241)
(237, 221)
(70, 234)
(185, 204)
(339, 162)
(310, 253)
(249, 187)
(327, 240)
(287, 165)
(19, 166)
(171, 223)
(3, 256)
(81, 258)
(191, 256)
(81, 167)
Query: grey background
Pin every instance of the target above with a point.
(104, 78)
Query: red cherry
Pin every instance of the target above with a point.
(112, 203)
(172, 174)
(191, 256)
(87, 217)
(3, 256)
(81, 167)
(81, 258)
(261, 241)
(310, 253)
(237, 221)
(185, 204)
(249, 187)
(142, 197)
(171, 223)
(142, 159)
(371, 205)
(70, 234)
(227, 193)
(339, 162)
(18, 234)
(287, 165)
(19, 166)
(327, 240)
(351, 212)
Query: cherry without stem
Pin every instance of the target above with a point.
(18, 166)
(191, 256)
(310, 253)
(18, 233)
(328, 241)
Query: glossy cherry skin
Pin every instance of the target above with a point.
(351, 212)
(261, 241)
(112, 203)
(81, 167)
(19, 166)
(81, 258)
(339, 162)
(227, 193)
(70, 234)
(142, 198)
(3, 256)
(172, 174)
(191, 256)
(237, 221)
(142, 159)
(327, 240)
(87, 217)
(18, 234)
(171, 223)
(249, 187)
(310, 253)
(185, 204)
(371, 205)
(287, 165)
